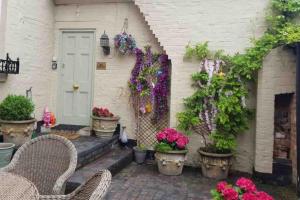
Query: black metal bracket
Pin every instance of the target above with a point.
(8, 66)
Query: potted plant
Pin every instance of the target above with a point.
(17, 123)
(124, 43)
(171, 151)
(104, 123)
(217, 111)
(6, 151)
(140, 153)
(244, 189)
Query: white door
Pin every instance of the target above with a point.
(76, 77)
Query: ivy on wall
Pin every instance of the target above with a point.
(229, 90)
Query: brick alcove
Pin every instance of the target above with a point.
(275, 102)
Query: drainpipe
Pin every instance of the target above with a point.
(298, 117)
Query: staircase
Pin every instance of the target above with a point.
(95, 154)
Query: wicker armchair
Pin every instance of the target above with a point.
(93, 189)
(48, 161)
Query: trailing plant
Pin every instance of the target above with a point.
(16, 108)
(149, 82)
(219, 100)
(125, 43)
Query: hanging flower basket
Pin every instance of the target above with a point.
(125, 43)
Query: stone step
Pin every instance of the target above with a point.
(90, 148)
(115, 160)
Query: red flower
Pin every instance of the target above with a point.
(249, 196)
(246, 185)
(222, 186)
(263, 196)
(161, 136)
(230, 194)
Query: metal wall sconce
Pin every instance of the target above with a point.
(104, 43)
(54, 63)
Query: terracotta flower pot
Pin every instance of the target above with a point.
(104, 126)
(17, 132)
(214, 165)
(171, 163)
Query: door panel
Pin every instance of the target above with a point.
(76, 77)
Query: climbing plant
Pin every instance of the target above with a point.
(219, 98)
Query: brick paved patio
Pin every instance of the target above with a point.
(143, 182)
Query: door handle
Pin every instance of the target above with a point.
(75, 86)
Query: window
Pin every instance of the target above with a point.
(3, 4)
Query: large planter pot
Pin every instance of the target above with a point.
(6, 151)
(170, 163)
(214, 165)
(17, 132)
(139, 155)
(104, 126)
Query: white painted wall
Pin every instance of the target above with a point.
(110, 85)
(3, 7)
(227, 25)
(278, 76)
(29, 36)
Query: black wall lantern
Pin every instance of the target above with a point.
(104, 43)
(8, 66)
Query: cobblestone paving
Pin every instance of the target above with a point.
(143, 182)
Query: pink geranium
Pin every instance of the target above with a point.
(246, 184)
(245, 189)
(182, 141)
(222, 186)
(263, 196)
(161, 136)
(249, 196)
(173, 138)
(230, 194)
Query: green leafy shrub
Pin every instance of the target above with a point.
(16, 108)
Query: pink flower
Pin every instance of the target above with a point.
(161, 136)
(246, 184)
(182, 141)
(222, 186)
(172, 136)
(249, 196)
(230, 194)
(263, 196)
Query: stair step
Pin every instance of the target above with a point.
(115, 160)
(90, 148)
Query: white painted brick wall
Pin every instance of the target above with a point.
(227, 25)
(276, 77)
(110, 85)
(29, 36)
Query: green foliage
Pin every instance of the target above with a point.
(16, 108)
(287, 7)
(163, 147)
(200, 51)
(216, 195)
(228, 90)
(141, 147)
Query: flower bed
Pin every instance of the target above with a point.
(244, 189)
